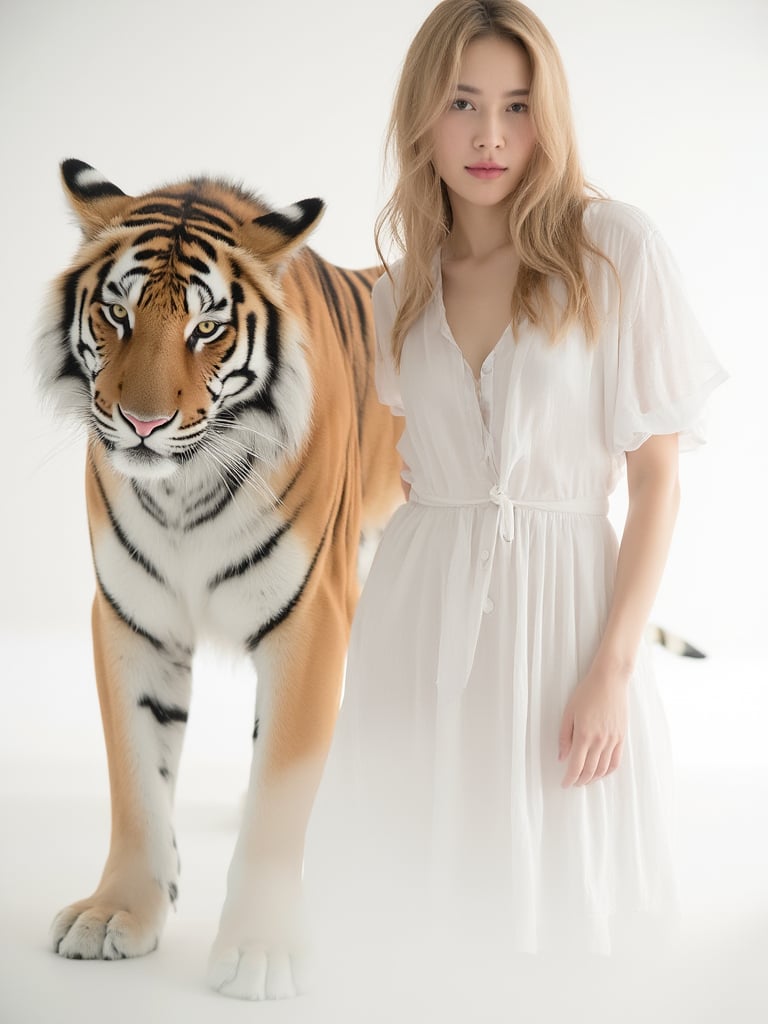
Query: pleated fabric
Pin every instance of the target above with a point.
(485, 605)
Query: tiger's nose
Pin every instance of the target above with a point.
(144, 427)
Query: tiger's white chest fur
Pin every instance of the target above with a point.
(187, 558)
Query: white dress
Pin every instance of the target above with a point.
(485, 604)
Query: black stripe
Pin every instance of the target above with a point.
(103, 426)
(193, 262)
(101, 278)
(205, 245)
(195, 213)
(360, 365)
(234, 482)
(149, 504)
(82, 345)
(256, 730)
(71, 282)
(250, 330)
(134, 272)
(207, 248)
(255, 639)
(70, 367)
(238, 298)
(361, 310)
(332, 298)
(203, 285)
(290, 486)
(206, 499)
(164, 713)
(272, 348)
(194, 196)
(247, 376)
(165, 209)
(142, 222)
(192, 206)
(263, 401)
(149, 254)
(124, 617)
(149, 236)
(261, 552)
(362, 277)
(131, 548)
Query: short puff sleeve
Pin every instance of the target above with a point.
(387, 377)
(665, 367)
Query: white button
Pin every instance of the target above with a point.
(485, 554)
(485, 368)
(488, 606)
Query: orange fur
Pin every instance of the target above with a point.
(130, 346)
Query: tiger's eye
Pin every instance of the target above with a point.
(206, 327)
(118, 312)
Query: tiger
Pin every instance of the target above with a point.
(236, 450)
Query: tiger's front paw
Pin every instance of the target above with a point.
(261, 949)
(248, 970)
(97, 929)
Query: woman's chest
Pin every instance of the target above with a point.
(477, 310)
(530, 392)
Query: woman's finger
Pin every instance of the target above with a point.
(615, 757)
(604, 764)
(576, 762)
(590, 765)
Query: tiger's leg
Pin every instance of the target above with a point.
(259, 951)
(144, 693)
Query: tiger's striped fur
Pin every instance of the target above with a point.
(236, 448)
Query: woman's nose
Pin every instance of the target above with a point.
(490, 134)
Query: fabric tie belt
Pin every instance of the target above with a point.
(506, 505)
(463, 598)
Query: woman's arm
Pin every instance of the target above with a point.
(403, 482)
(595, 718)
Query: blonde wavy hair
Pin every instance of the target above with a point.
(546, 208)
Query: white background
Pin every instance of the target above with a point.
(292, 99)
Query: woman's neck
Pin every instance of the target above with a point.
(477, 231)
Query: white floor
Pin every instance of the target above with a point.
(55, 819)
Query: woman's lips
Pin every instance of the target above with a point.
(485, 171)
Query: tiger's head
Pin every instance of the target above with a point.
(170, 334)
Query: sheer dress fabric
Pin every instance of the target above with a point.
(485, 604)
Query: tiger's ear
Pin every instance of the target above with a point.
(275, 236)
(94, 199)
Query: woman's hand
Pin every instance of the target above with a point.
(594, 726)
(595, 718)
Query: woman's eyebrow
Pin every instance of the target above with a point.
(478, 92)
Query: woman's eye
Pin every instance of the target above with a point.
(461, 105)
(518, 108)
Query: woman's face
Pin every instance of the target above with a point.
(485, 139)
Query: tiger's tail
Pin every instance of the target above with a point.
(673, 643)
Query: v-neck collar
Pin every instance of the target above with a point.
(445, 327)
